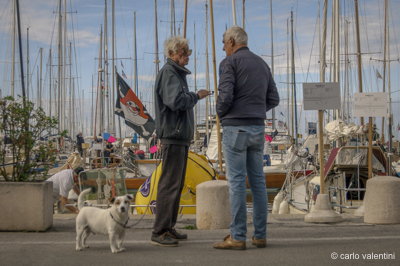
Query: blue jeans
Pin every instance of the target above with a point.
(243, 150)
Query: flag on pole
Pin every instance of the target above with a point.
(132, 110)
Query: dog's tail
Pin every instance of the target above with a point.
(81, 198)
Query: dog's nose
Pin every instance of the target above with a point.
(122, 209)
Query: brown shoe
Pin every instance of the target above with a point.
(260, 243)
(230, 243)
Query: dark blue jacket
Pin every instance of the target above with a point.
(246, 89)
(174, 105)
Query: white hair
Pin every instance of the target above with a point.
(237, 34)
(174, 44)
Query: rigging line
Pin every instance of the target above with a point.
(393, 32)
(364, 24)
(312, 45)
(298, 53)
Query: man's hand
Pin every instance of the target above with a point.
(203, 93)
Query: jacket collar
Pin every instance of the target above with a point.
(242, 48)
(184, 70)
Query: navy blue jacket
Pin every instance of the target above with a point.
(246, 89)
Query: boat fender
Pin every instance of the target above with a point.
(277, 201)
(284, 207)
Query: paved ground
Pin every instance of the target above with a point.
(290, 242)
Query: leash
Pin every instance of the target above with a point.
(120, 224)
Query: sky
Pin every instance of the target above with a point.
(85, 18)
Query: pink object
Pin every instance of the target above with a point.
(153, 149)
(111, 139)
(268, 138)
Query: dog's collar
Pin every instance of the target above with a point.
(120, 224)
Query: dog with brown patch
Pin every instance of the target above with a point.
(111, 221)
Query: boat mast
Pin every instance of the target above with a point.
(321, 112)
(21, 63)
(184, 19)
(288, 80)
(272, 59)
(99, 96)
(244, 13)
(27, 62)
(233, 12)
(360, 88)
(136, 84)
(207, 80)
(337, 48)
(106, 89)
(112, 98)
(50, 80)
(64, 72)
(294, 82)
(13, 49)
(215, 82)
(390, 119)
(59, 87)
(40, 77)
(196, 111)
(156, 60)
(384, 64)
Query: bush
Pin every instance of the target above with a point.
(21, 126)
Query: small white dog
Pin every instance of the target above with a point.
(111, 222)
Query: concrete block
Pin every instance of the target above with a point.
(322, 212)
(26, 206)
(382, 200)
(212, 205)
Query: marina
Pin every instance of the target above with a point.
(79, 91)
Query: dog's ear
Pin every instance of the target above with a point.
(129, 196)
(112, 200)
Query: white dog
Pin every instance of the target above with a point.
(111, 222)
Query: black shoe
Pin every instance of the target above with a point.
(175, 235)
(164, 240)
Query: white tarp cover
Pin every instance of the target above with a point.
(338, 128)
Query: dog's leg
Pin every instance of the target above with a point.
(79, 233)
(120, 241)
(113, 242)
(85, 235)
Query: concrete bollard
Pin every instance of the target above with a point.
(212, 205)
(322, 212)
(382, 200)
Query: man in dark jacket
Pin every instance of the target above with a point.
(175, 128)
(79, 142)
(246, 92)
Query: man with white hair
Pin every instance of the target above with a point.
(175, 128)
(246, 92)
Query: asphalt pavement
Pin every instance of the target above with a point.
(291, 241)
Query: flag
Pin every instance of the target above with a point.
(132, 110)
(123, 74)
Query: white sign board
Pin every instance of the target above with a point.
(321, 96)
(97, 146)
(372, 104)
